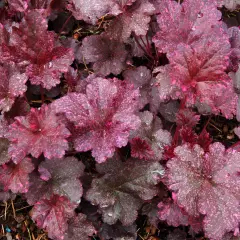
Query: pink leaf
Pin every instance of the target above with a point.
(15, 177)
(32, 46)
(141, 149)
(18, 5)
(187, 118)
(164, 89)
(172, 213)
(12, 85)
(222, 100)
(184, 23)
(104, 116)
(192, 66)
(52, 215)
(40, 131)
(91, 11)
(207, 183)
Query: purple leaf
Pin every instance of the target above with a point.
(108, 56)
(118, 232)
(122, 189)
(103, 116)
(141, 78)
(231, 4)
(150, 139)
(134, 18)
(79, 228)
(57, 176)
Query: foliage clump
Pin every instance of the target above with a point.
(131, 82)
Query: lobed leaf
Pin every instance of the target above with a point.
(40, 131)
(15, 177)
(57, 176)
(120, 192)
(52, 215)
(207, 183)
(103, 116)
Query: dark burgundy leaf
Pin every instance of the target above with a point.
(122, 189)
(57, 176)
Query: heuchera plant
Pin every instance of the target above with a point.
(102, 108)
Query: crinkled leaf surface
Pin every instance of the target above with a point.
(184, 23)
(207, 183)
(12, 85)
(222, 100)
(91, 10)
(18, 5)
(32, 46)
(57, 176)
(202, 62)
(135, 18)
(172, 214)
(15, 177)
(141, 78)
(187, 118)
(107, 55)
(52, 215)
(79, 228)
(103, 116)
(119, 193)
(164, 89)
(150, 139)
(40, 131)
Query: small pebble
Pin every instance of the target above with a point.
(9, 236)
